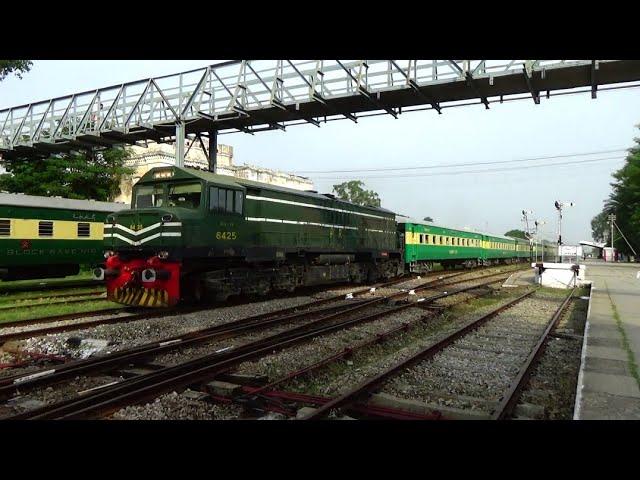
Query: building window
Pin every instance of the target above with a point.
(84, 230)
(5, 228)
(45, 229)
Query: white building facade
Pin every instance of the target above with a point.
(157, 155)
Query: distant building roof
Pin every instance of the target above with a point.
(593, 244)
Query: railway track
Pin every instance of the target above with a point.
(436, 356)
(136, 389)
(135, 313)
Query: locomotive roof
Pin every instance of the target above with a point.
(22, 200)
(430, 224)
(241, 182)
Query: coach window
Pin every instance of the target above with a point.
(5, 228)
(433, 239)
(84, 229)
(45, 229)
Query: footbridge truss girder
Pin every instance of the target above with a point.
(258, 95)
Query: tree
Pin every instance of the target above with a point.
(14, 66)
(600, 227)
(354, 192)
(624, 202)
(427, 219)
(95, 175)
(516, 234)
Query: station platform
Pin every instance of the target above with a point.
(608, 388)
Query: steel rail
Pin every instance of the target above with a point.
(369, 411)
(509, 399)
(59, 295)
(367, 385)
(137, 389)
(154, 313)
(161, 346)
(348, 351)
(11, 383)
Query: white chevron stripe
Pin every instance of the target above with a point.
(144, 240)
(144, 230)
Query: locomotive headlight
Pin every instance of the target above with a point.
(163, 174)
(148, 275)
(163, 255)
(109, 253)
(98, 273)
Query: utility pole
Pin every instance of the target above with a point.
(612, 218)
(529, 234)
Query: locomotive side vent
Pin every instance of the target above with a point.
(5, 228)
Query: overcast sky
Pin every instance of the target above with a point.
(488, 200)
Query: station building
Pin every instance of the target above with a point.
(157, 155)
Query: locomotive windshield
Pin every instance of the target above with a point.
(185, 195)
(149, 196)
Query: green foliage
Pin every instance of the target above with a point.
(427, 219)
(80, 175)
(14, 66)
(354, 192)
(516, 234)
(624, 201)
(600, 227)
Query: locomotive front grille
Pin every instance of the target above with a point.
(142, 297)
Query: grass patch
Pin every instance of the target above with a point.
(47, 310)
(19, 298)
(19, 284)
(633, 366)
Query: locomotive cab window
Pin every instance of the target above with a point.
(224, 200)
(185, 195)
(147, 196)
(5, 228)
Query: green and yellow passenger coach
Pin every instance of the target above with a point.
(427, 244)
(190, 232)
(48, 237)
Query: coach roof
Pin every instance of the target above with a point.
(34, 201)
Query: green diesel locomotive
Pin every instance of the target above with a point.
(191, 232)
(47, 237)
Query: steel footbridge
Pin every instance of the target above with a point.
(258, 95)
